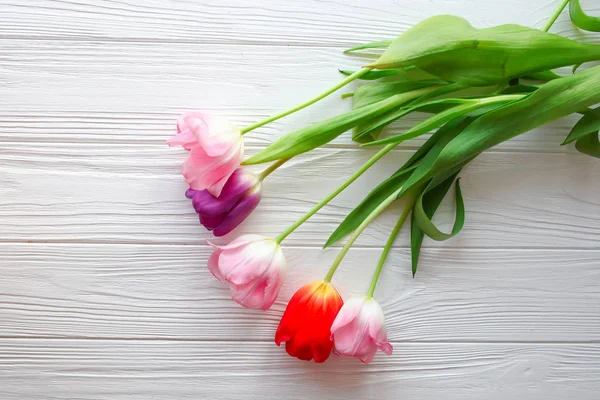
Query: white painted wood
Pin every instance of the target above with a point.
(104, 292)
(131, 93)
(174, 370)
(84, 192)
(149, 291)
(267, 22)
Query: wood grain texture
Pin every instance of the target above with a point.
(166, 370)
(268, 22)
(130, 93)
(166, 292)
(104, 293)
(134, 194)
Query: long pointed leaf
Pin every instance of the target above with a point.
(318, 134)
(590, 122)
(369, 203)
(464, 107)
(553, 100)
(371, 45)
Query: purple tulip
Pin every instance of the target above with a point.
(240, 196)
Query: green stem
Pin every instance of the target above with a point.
(388, 247)
(359, 172)
(272, 168)
(554, 16)
(326, 93)
(358, 231)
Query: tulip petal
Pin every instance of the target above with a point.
(246, 263)
(347, 314)
(239, 213)
(185, 139)
(213, 264)
(215, 134)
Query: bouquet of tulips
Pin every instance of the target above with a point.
(481, 87)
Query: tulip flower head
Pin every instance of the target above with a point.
(239, 197)
(254, 268)
(306, 322)
(216, 150)
(359, 330)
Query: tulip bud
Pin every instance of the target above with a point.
(306, 322)
(239, 197)
(359, 330)
(216, 150)
(253, 266)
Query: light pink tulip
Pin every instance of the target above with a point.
(216, 150)
(359, 330)
(254, 267)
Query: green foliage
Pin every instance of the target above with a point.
(581, 19)
(450, 48)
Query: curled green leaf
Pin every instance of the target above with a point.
(424, 221)
(581, 19)
(431, 200)
(452, 49)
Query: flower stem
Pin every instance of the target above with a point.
(272, 168)
(388, 247)
(326, 93)
(337, 191)
(378, 210)
(554, 16)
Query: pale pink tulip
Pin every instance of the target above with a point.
(216, 150)
(359, 330)
(254, 267)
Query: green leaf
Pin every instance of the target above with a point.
(424, 220)
(373, 75)
(318, 134)
(465, 106)
(450, 48)
(371, 45)
(384, 190)
(520, 88)
(389, 186)
(590, 122)
(581, 19)
(431, 201)
(369, 130)
(542, 76)
(589, 144)
(378, 91)
(553, 100)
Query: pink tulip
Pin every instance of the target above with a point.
(216, 150)
(253, 266)
(359, 330)
(239, 197)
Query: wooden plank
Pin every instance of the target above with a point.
(134, 194)
(141, 291)
(269, 22)
(62, 91)
(51, 369)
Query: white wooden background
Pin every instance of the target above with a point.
(104, 292)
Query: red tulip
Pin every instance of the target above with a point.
(306, 323)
